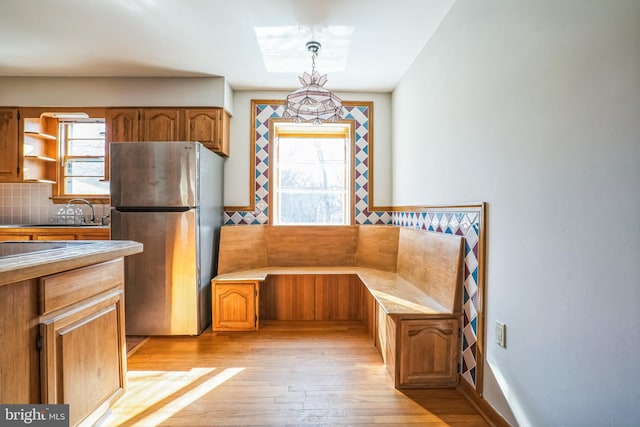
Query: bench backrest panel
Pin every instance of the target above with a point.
(433, 262)
(311, 245)
(377, 247)
(242, 247)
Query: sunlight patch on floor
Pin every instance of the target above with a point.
(160, 394)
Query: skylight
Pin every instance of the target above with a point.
(283, 48)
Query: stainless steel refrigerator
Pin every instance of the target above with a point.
(168, 196)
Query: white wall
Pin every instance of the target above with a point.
(237, 166)
(114, 91)
(534, 107)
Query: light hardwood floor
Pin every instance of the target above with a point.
(286, 374)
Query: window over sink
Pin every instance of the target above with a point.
(82, 155)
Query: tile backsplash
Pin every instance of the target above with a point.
(31, 204)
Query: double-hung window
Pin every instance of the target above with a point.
(82, 155)
(312, 182)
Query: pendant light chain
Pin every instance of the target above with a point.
(314, 55)
(312, 102)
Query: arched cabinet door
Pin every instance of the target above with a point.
(210, 126)
(159, 124)
(121, 125)
(235, 306)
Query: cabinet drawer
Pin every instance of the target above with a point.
(62, 289)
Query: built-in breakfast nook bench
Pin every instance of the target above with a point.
(404, 284)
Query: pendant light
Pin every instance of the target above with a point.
(312, 102)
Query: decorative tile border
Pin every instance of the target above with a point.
(468, 223)
(267, 110)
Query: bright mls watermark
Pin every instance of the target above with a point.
(34, 415)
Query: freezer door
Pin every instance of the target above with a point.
(161, 283)
(153, 174)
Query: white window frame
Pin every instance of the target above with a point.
(65, 157)
(288, 129)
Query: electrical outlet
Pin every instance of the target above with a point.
(501, 334)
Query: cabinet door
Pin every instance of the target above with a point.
(429, 353)
(14, 236)
(202, 125)
(83, 358)
(234, 307)
(121, 125)
(210, 126)
(159, 124)
(54, 236)
(9, 145)
(94, 234)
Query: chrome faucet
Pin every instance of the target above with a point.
(86, 202)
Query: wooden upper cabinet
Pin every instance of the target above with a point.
(121, 125)
(9, 145)
(210, 126)
(158, 124)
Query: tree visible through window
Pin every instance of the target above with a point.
(312, 174)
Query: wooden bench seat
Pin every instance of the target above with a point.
(396, 295)
(404, 284)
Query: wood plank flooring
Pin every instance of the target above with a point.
(286, 374)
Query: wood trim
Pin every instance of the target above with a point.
(481, 335)
(481, 405)
(252, 166)
(422, 208)
(240, 208)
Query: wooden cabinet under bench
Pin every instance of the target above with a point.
(407, 291)
(236, 306)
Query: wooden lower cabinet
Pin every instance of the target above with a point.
(4, 237)
(418, 353)
(83, 355)
(19, 359)
(235, 306)
(54, 236)
(55, 233)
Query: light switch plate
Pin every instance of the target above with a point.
(501, 334)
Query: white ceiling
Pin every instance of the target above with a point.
(210, 38)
